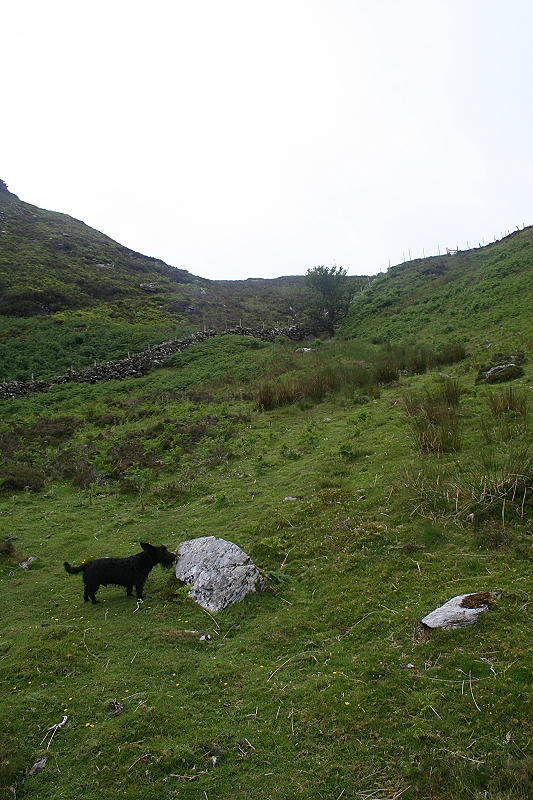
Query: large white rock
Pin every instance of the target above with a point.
(464, 609)
(218, 571)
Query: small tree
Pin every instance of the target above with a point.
(332, 294)
(3, 186)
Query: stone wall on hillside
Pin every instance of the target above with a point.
(141, 363)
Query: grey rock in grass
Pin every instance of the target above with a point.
(39, 765)
(218, 572)
(500, 373)
(460, 611)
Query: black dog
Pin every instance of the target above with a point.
(128, 572)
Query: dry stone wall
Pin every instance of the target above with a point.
(141, 363)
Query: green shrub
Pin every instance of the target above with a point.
(9, 442)
(178, 491)
(333, 368)
(73, 464)
(315, 385)
(449, 353)
(130, 453)
(135, 481)
(47, 431)
(266, 396)
(418, 358)
(7, 548)
(440, 435)
(351, 452)
(20, 477)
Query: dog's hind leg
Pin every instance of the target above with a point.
(129, 589)
(91, 592)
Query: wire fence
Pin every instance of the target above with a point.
(407, 255)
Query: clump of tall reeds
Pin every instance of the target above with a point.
(500, 489)
(332, 370)
(386, 370)
(314, 385)
(419, 357)
(434, 417)
(511, 399)
(508, 415)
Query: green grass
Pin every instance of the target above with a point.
(323, 687)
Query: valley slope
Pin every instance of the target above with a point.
(371, 477)
(483, 296)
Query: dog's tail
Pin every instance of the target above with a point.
(73, 570)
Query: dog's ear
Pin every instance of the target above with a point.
(146, 546)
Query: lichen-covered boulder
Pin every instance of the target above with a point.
(218, 572)
(462, 610)
(500, 373)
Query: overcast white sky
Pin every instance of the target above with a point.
(240, 138)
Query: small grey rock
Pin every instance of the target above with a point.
(39, 765)
(460, 611)
(202, 636)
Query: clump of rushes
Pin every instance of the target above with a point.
(435, 419)
(497, 490)
(418, 358)
(509, 399)
(387, 371)
(286, 384)
(314, 386)
(500, 489)
(451, 391)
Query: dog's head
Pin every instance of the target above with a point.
(159, 555)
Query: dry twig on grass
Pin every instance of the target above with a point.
(52, 730)
(188, 777)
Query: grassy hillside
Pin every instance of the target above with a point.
(484, 296)
(69, 295)
(368, 502)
